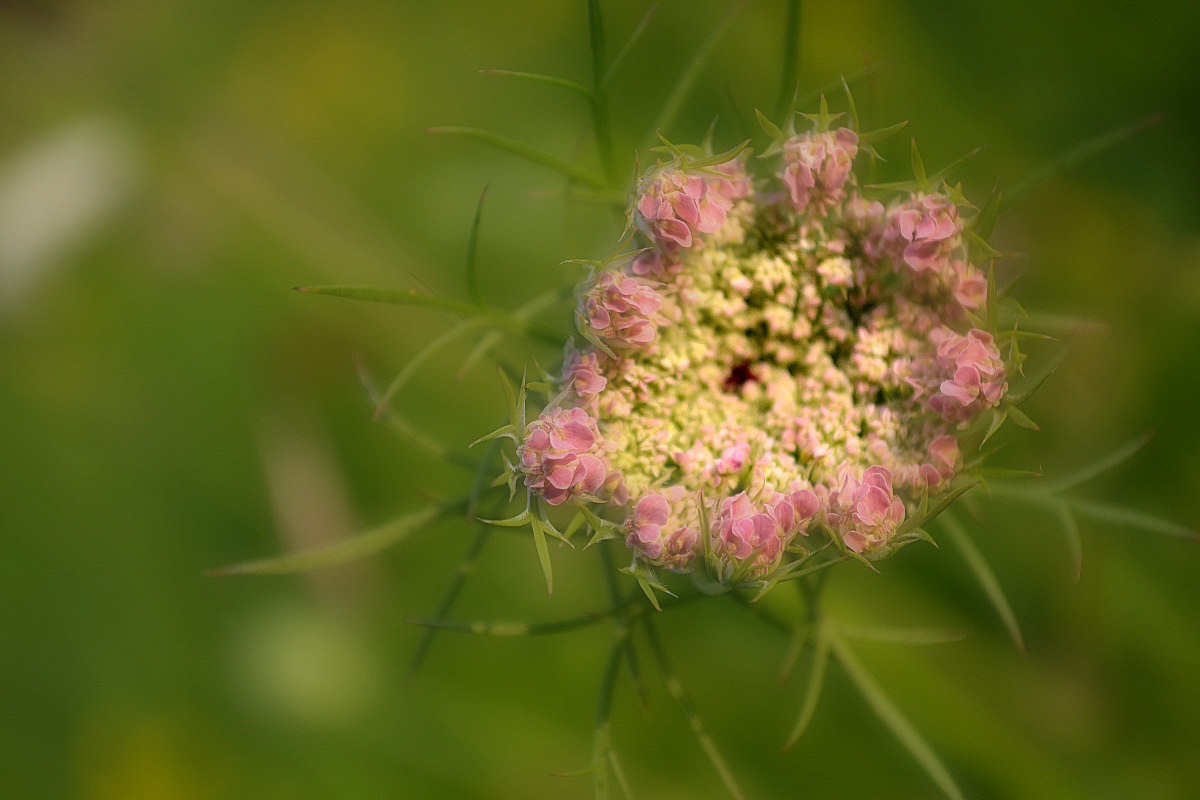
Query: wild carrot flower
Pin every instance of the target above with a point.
(781, 356)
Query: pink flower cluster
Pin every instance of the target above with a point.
(620, 310)
(745, 529)
(926, 230)
(679, 205)
(649, 534)
(582, 374)
(976, 374)
(864, 511)
(560, 457)
(817, 167)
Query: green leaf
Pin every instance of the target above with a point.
(458, 580)
(985, 221)
(791, 57)
(905, 636)
(525, 151)
(1036, 382)
(1074, 540)
(700, 54)
(549, 80)
(993, 301)
(406, 430)
(343, 551)
(953, 165)
(894, 720)
(1117, 515)
(1075, 156)
(472, 241)
(986, 578)
(406, 297)
(878, 135)
(943, 502)
(503, 628)
(816, 682)
(675, 687)
(1006, 473)
(619, 58)
(424, 354)
(1099, 466)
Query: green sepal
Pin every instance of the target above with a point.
(918, 168)
(648, 582)
(602, 529)
(505, 431)
(770, 128)
(942, 502)
(1021, 418)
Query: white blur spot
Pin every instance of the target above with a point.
(54, 194)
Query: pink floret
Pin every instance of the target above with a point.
(975, 374)
(621, 310)
(865, 511)
(560, 456)
(678, 205)
(817, 167)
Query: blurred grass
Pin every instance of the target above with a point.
(153, 358)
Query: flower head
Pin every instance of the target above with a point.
(560, 457)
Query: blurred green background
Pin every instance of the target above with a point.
(169, 169)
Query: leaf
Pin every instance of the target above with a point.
(906, 636)
(993, 300)
(1074, 157)
(894, 720)
(986, 578)
(423, 355)
(675, 687)
(525, 151)
(549, 80)
(700, 54)
(343, 551)
(505, 628)
(406, 297)
(870, 137)
(1099, 466)
(472, 240)
(1006, 473)
(816, 681)
(1117, 515)
(619, 58)
(943, 502)
(406, 430)
(1036, 382)
(918, 168)
(1074, 540)
(791, 57)
(953, 165)
(458, 579)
